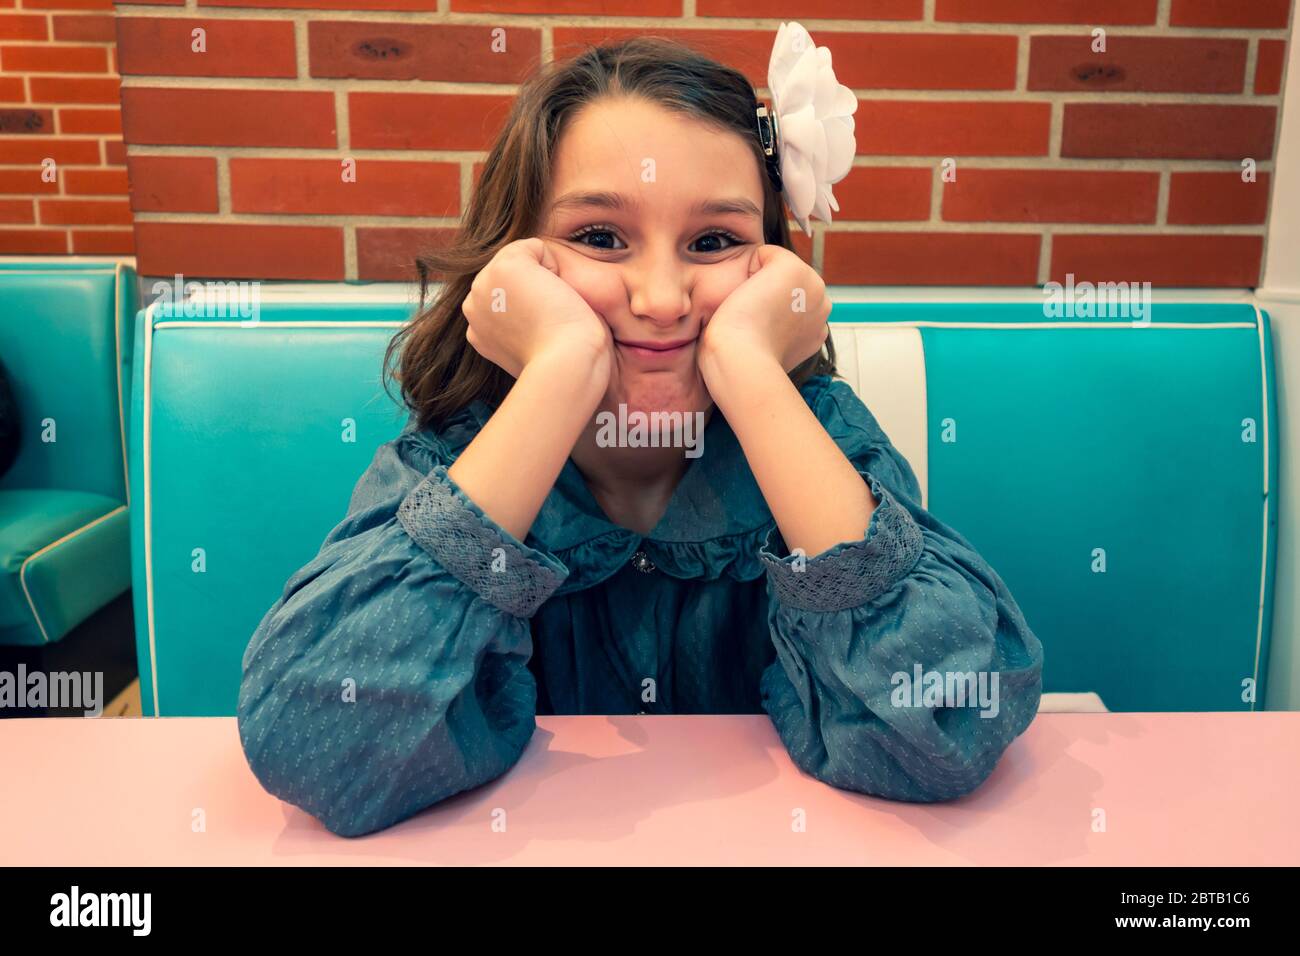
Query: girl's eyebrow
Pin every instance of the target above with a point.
(611, 200)
(722, 207)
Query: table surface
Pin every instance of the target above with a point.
(1174, 789)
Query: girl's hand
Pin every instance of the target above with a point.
(519, 309)
(778, 314)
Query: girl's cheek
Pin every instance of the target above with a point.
(599, 283)
(718, 281)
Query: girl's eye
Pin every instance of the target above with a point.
(594, 231)
(720, 234)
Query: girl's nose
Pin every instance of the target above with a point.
(660, 294)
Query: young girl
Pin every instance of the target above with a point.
(627, 252)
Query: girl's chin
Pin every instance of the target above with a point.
(658, 392)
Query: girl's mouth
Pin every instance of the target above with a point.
(656, 351)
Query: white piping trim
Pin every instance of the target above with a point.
(1263, 558)
(58, 272)
(105, 260)
(147, 486)
(117, 354)
(932, 324)
(22, 570)
(1004, 295)
(277, 324)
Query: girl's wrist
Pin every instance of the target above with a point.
(738, 370)
(576, 374)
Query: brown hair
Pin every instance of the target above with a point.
(440, 373)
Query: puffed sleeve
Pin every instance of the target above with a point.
(391, 673)
(904, 666)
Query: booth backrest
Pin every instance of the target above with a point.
(65, 343)
(1118, 478)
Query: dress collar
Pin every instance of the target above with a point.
(715, 522)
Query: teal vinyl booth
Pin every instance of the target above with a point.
(1118, 477)
(65, 342)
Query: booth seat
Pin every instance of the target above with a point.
(65, 342)
(1118, 477)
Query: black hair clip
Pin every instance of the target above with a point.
(768, 131)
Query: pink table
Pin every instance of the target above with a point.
(1177, 789)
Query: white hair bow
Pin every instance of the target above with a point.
(808, 138)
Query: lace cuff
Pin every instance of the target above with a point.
(481, 554)
(851, 573)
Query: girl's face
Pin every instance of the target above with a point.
(655, 216)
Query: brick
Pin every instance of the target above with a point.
(416, 51)
(33, 241)
(173, 183)
(609, 8)
(1168, 131)
(1126, 12)
(964, 128)
(1051, 195)
(921, 61)
(11, 89)
(744, 50)
(164, 46)
(26, 182)
(84, 28)
(105, 5)
(388, 254)
(32, 150)
(103, 242)
(22, 26)
(893, 193)
(114, 152)
(426, 120)
(1269, 65)
(1181, 260)
(368, 5)
(925, 61)
(26, 121)
(1148, 64)
(1257, 14)
(807, 9)
(248, 117)
(17, 212)
(85, 212)
(1217, 199)
(95, 182)
(66, 89)
(239, 251)
(930, 258)
(90, 121)
(309, 186)
(53, 59)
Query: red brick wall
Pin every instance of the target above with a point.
(1119, 165)
(63, 182)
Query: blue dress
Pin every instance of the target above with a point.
(406, 661)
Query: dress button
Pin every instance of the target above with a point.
(641, 561)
